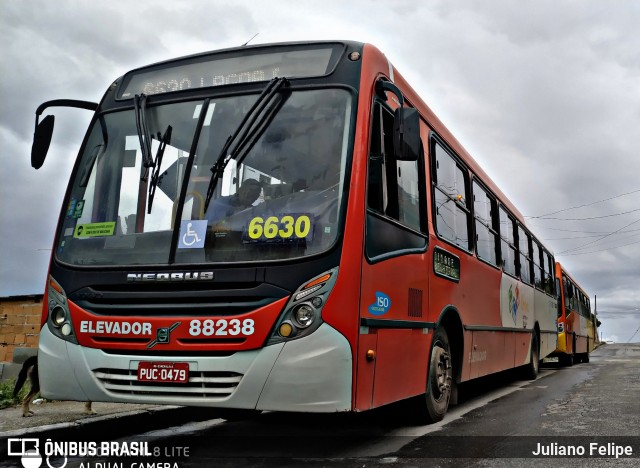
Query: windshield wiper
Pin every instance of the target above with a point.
(156, 163)
(243, 136)
(139, 106)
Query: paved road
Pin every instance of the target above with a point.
(499, 423)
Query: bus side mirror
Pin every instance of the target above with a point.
(41, 141)
(44, 130)
(406, 134)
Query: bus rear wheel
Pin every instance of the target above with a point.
(531, 369)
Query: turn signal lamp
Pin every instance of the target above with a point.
(313, 286)
(322, 279)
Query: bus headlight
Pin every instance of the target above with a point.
(58, 316)
(59, 320)
(303, 313)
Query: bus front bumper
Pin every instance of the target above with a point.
(311, 374)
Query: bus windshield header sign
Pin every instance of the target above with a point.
(243, 66)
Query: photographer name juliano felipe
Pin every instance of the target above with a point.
(593, 449)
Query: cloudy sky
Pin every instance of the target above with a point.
(545, 94)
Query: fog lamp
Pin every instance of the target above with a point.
(285, 329)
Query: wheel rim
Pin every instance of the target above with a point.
(440, 372)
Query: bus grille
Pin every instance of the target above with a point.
(201, 384)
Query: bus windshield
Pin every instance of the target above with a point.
(279, 199)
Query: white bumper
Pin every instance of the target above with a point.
(312, 374)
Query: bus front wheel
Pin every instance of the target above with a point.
(431, 406)
(440, 377)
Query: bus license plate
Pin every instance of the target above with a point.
(173, 372)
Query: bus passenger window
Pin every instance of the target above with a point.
(537, 270)
(525, 256)
(549, 284)
(508, 248)
(486, 236)
(393, 185)
(450, 189)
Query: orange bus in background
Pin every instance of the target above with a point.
(319, 241)
(577, 331)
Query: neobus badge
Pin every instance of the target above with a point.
(176, 276)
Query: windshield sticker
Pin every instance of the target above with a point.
(74, 210)
(381, 305)
(192, 234)
(71, 207)
(77, 211)
(94, 230)
(273, 229)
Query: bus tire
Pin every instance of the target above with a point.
(531, 369)
(431, 406)
(440, 377)
(567, 360)
(585, 358)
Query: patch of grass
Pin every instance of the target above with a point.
(6, 393)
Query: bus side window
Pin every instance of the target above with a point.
(396, 222)
(453, 217)
(525, 255)
(549, 284)
(566, 294)
(508, 248)
(537, 264)
(484, 206)
(394, 187)
(375, 191)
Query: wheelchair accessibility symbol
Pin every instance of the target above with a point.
(192, 234)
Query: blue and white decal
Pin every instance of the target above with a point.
(192, 234)
(382, 304)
